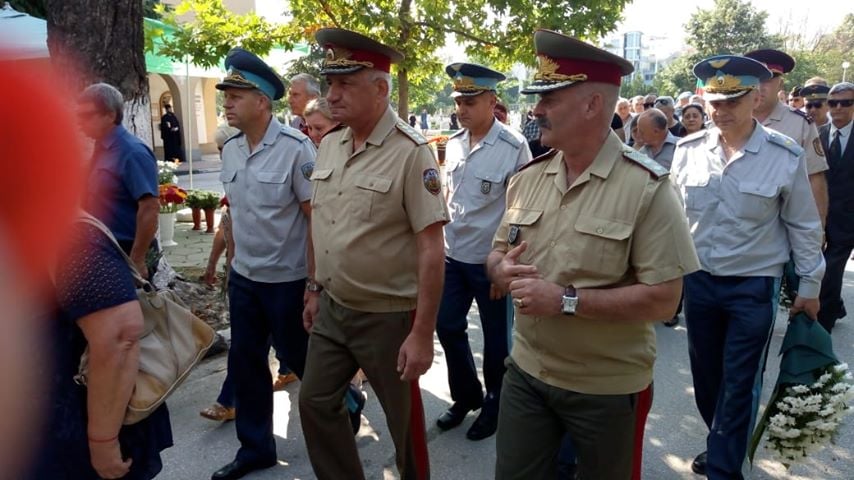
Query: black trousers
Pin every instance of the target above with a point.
(835, 256)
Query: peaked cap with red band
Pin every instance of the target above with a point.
(349, 52)
(776, 61)
(565, 61)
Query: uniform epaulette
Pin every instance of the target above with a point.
(546, 156)
(237, 135)
(692, 137)
(801, 113)
(411, 133)
(785, 142)
(294, 133)
(509, 138)
(647, 163)
(457, 133)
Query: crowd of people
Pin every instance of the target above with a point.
(349, 247)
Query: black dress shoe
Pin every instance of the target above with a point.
(454, 416)
(237, 469)
(672, 322)
(698, 466)
(484, 426)
(356, 415)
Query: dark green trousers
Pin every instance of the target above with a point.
(342, 341)
(534, 416)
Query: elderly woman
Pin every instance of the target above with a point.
(693, 118)
(96, 306)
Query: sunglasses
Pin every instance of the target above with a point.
(648, 105)
(814, 105)
(838, 103)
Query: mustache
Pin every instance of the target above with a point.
(544, 122)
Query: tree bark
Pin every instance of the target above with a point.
(403, 94)
(103, 41)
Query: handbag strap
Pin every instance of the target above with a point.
(138, 279)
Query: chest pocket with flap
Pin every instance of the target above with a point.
(370, 195)
(603, 246)
(272, 188)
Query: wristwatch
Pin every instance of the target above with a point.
(570, 300)
(313, 286)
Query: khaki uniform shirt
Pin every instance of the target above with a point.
(620, 223)
(265, 189)
(748, 213)
(367, 207)
(794, 124)
(476, 183)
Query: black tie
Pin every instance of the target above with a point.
(835, 152)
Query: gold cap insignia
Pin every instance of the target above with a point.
(466, 84)
(725, 83)
(235, 77)
(718, 63)
(547, 72)
(340, 57)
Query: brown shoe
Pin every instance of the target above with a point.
(283, 380)
(218, 413)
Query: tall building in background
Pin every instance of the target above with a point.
(646, 52)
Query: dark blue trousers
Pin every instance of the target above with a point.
(258, 311)
(465, 282)
(835, 257)
(729, 320)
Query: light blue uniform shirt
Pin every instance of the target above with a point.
(746, 215)
(476, 185)
(265, 189)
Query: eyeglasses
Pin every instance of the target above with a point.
(648, 105)
(814, 105)
(842, 103)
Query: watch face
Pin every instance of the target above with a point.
(569, 304)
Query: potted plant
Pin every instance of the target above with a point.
(209, 203)
(194, 201)
(171, 196)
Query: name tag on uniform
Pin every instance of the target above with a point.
(513, 235)
(485, 186)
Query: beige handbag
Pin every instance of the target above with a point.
(172, 342)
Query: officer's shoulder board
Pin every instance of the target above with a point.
(410, 133)
(785, 142)
(293, 133)
(692, 137)
(645, 162)
(457, 133)
(800, 114)
(542, 158)
(509, 138)
(237, 135)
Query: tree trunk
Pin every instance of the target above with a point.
(96, 41)
(403, 94)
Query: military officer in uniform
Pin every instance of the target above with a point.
(479, 161)
(377, 218)
(791, 121)
(592, 248)
(815, 96)
(748, 203)
(265, 174)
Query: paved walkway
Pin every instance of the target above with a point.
(674, 430)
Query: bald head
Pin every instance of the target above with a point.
(652, 127)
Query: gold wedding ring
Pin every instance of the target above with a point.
(518, 302)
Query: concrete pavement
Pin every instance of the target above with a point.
(674, 433)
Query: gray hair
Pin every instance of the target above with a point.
(657, 117)
(318, 105)
(106, 98)
(384, 76)
(842, 87)
(311, 85)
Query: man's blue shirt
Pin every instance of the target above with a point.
(123, 171)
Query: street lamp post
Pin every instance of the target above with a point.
(845, 66)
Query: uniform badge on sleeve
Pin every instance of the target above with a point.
(485, 186)
(431, 181)
(513, 234)
(816, 144)
(307, 169)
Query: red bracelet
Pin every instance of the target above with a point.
(106, 440)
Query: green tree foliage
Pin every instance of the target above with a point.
(35, 8)
(824, 59)
(635, 86)
(498, 30)
(728, 27)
